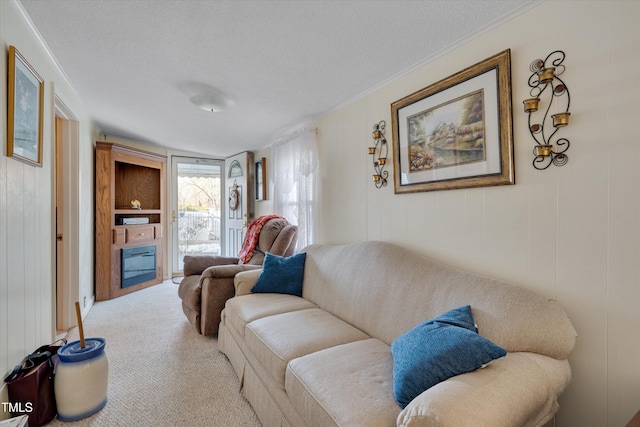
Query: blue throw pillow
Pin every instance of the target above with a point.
(281, 275)
(438, 349)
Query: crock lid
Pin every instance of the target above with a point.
(72, 352)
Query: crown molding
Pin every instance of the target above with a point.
(45, 46)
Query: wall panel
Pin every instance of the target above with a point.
(27, 211)
(570, 233)
(624, 276)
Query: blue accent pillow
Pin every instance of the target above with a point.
(281, 275)
(436, 350)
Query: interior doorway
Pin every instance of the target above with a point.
(196, 208)
(66, 213)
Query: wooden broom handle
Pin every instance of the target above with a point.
(80, 329)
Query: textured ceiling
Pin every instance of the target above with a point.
(136, 63)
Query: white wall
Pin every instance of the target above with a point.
(570, 233)
(27, 208)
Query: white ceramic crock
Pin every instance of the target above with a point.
(81, 379)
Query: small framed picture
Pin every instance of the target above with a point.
(25, 106)
(261, 179)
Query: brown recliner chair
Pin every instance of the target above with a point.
(208, 280)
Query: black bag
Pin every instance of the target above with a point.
(30, 385)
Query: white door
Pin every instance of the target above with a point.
(237, 198)
(197, 223)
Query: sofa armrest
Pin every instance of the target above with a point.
(197, 264)
(245, 281)
(511, 391)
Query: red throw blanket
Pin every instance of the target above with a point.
(251, 238)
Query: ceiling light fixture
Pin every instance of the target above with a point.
(211, 102)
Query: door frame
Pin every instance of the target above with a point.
(173, 204)
(67, 201)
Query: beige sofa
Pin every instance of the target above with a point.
(324, 359)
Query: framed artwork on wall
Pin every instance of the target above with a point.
(456, 133)
(25, 107)
(261, 179)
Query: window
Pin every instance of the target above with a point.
(295, 168)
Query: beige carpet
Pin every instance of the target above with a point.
(161, 372)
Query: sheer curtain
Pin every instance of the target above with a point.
(295, 167)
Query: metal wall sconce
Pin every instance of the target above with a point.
(381, 149)
(545, 76)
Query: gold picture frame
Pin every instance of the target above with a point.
(25, 110)
(456, 133)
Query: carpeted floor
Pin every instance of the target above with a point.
(161, 372)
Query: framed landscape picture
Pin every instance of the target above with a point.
(456, 133)
(25, 106)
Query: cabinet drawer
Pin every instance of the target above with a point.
(139, 234)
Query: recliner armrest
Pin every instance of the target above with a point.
(198, 264)
(227, 271)
(216, 284)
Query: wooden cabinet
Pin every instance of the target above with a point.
(124, 174)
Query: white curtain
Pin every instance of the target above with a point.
(295, 167)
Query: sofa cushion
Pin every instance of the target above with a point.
(275, 340)
(241, 310)
(357, 391)
(282, 275)
(436, 350)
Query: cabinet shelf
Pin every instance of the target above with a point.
(137, 211)
(149, 216)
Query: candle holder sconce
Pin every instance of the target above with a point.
(379, 149)
(545, 76)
